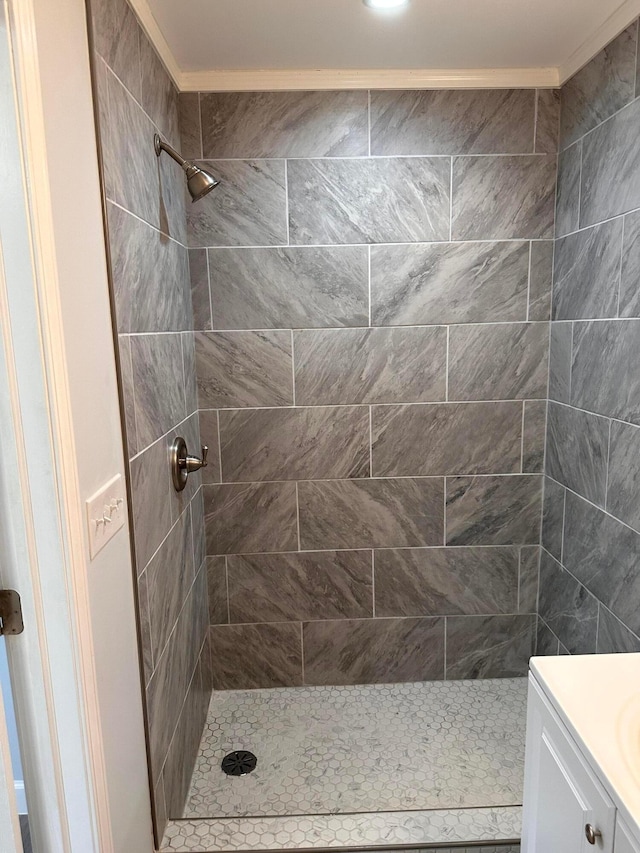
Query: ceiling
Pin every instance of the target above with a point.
(231, 35)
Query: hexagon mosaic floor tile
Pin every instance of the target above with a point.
(382, 831)
(373, 748)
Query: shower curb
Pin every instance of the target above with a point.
(375, 830)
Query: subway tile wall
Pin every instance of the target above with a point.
(146, 220)
(589, 579)
(371, 288)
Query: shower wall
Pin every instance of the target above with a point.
(589, 578)
(145, 209)
(371, 294)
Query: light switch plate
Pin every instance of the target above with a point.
(106, 511)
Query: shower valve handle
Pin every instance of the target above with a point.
(192, 463)
(183, 464)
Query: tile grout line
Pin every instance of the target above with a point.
(606, 476)
(529, 281)
(624, 220)
(369, 284)
(226, 579)
(302, 672)
(536, 104)
(370, 441)
(209, 291)
(451, 201)
(446, 367)
(369, 122)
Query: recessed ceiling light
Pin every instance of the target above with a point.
(385, 4)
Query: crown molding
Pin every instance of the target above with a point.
(618, 21)
(270, 80)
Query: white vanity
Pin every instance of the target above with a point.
(582, 769)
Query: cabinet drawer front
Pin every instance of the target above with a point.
(562, 794)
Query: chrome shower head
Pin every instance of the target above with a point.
(199, 181)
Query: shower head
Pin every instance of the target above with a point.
(199, 181)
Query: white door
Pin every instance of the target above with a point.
(10, 840)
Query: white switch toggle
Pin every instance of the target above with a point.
(106, 511)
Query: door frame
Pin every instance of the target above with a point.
(75, 669)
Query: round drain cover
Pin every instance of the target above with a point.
(239, 763)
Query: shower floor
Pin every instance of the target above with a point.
(364, 749)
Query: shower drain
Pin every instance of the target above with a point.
(239, 763)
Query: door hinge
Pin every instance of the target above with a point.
(10, 612)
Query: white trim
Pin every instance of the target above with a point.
(608, 30)
(343, 78)
(151, 28)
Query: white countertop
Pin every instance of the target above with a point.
(598, 697)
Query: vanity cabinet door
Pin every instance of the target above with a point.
(625, 841)
(565, 808)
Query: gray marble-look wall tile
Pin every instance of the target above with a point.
(322, 442)
(449, 283)
(553, 517)
(250, 518)
(197, 529)
(244, 657)
(182, 753)
(300, 587)
(370, 365)
(568, 189)
(601, 88)
(546, 641)
(217, 590)
(540, 280)
(200, 297)
(150, 498)
(560, 344)
(533, 436)
(146, 644)
(302, 287)
(159, 97)
(189, 363)
(623, 482)
(131, 168)
(613, 636)
(168, 687)
(158, 381)
(528, 579)
(150, 276)
(285, 124)
(587, 273)
(503, 197)
(604, 378)
(244, 369)
(209, 436)
(371, 513)
(498, 361)
(577, 447)
(248, 208)
(547, 121)
(568, 609)
(189, 122)
(169, 576)
(369, 201)
(489, 646)
(494, 510)
(446, 438)
(373, 651)
(603, 554)
(116, 38)
(126, 390)
(610, 182)
(452, 121)
(630, 271)
(445, 581)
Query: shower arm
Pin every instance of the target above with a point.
(161, 146)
